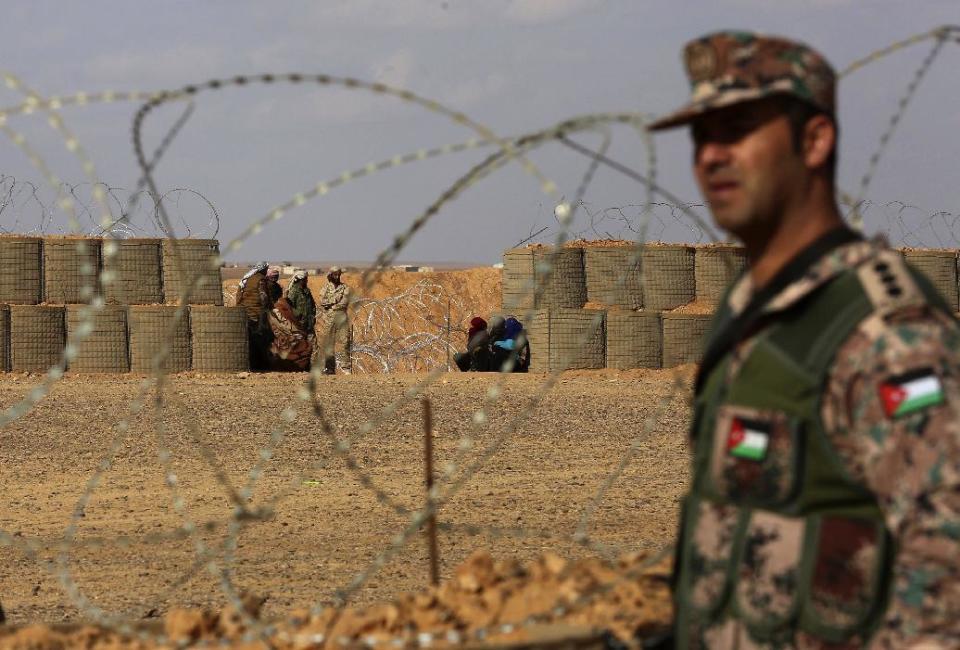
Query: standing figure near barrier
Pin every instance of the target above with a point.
(253, 294)
(274, 290)
(334, 327)
(824, 504)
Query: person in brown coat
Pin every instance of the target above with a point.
(253, 294)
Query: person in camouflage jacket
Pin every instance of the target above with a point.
(333, 327)
(824, 505)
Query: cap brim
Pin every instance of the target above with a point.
(695, 109)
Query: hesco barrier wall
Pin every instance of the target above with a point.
(565, 339)
(136, 271)
(613, 275)
(565, 287)
(149, 332)
(105, 348)
(4, 338)
(37, 337)
(69, 265)
(634, 339)
(21, 270)
(668, 277)
(536, 324)
(191, 261)
(715, 267)
(219, 339)
(683, 337)
(941, 267)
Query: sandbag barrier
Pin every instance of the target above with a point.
(564, 339)
(154, 328)
(219, 340)
(715, 267)
(634, 339)
(124, 338)
(940, 266)
(64, 270)
(193, 262)
(137, 272)
(614, 276)
(561, 274)
(641, 330)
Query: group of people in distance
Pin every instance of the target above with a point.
(285, 329)
(503, 347)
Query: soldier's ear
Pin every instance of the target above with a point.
(819, 141)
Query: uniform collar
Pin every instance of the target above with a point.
(825, 268)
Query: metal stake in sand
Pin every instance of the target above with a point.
(428, 466)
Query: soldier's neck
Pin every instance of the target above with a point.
(795, 232)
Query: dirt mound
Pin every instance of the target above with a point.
(488, 600)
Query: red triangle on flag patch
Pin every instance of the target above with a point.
(737, 433)
(892, 397)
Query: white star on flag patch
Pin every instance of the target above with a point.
(911, 392)
(748, 439)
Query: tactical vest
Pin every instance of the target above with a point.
(774, 531)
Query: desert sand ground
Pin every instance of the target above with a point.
(329, 526)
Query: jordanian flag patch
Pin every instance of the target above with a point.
(748, 439)
(911, 392)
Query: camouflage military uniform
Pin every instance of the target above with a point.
(911, 463)
(333, 327)
(824, 508)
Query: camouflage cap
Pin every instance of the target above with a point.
(334, 269)
(730, 67)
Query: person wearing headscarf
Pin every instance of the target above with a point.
(254, 296)
(476, 356)
(333, 328)
(509, 342)
(291, 347)
(301, 301)
(274, 289)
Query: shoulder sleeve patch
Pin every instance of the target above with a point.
(910, 392)
(887, 282)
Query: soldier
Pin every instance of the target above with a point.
(824, 504)
(253, 294)
(334, 326)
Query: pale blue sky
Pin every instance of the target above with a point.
(513, 65)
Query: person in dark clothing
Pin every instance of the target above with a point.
(511, 344)
(477, 355)
(273, 285)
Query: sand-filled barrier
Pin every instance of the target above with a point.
(715, 267)
(71, 266)
(634, 339)
(614, 276)
(21, 270)
(668, 277)
(566, 339)
(136, 270)
(37, 336)
(4, 338)
(683, 337)
(191, 262)
(562, 276)
(150, 333)
(104, 349)
(940, 266)
(219, 339)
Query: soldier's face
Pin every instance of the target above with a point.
(746, 166)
